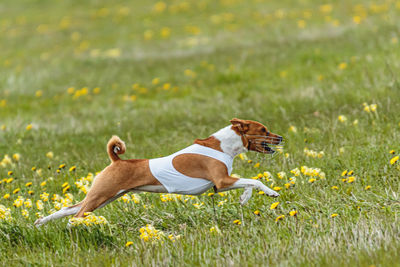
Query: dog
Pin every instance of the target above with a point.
(205, 164)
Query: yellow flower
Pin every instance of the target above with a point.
(293, 213)
(16, 156)
(65, 189)
(43, 183)
(261, 192)
(237, 222)
(30, 192)
(39, 93)
(257, 165)
(215, 230)
(312, 180)
(129, 243)
(210, 194)
(342, 118)
(62, 166)
(6, 196)
(334, 215)
(28, 184)
(279, 218)
(73, 168)
(342, 66)
(368, 187)
(257, 212)
(350, 172)
(165, 32)
(292, 129)
(301, 23)
(357, 19)
(392, 151)
(344, 173)
(50, 155)
(29, 127)
(334, 187)
(16, 190)
(351, 179)
(274, 205)
(33, 168)
(10, 173)
(155, 81)
(394, 160)
(277, 188)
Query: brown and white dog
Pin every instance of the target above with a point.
(122, 176)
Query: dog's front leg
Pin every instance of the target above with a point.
(248, 185)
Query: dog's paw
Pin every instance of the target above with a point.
(272, 193)
(245, 196)
(39, 222)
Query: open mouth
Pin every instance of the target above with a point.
(267, 149)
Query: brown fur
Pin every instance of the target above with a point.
(129, 174)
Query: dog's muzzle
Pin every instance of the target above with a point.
(265, 144)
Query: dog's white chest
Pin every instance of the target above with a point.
(175, 182)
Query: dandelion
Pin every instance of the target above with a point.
(215, 230)
(334, 187)
(16, 190)
(39, 204)
(16, 156)
(62, 166)
(39, 93)
(30, 192)
(129, 243)
(238, 222)
(392, 151)
(342, 118)
(50, 154)
(312, 180)
(281, 175)
(368, 187)
(43, 183)
(10, 173)
(274, 205)
(281, 217)
(6, 196)
(5, 213)
(334, 215)
(344, 173)
(357, 19)
(301, 24)
(29, 127)
(394, 160)
(18, 202)
(257, 165)
(165, 32)
(73, 168)
(257, 212)
(342, 66)
(277, 188)
(293, 213)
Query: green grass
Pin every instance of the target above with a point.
(251, 60)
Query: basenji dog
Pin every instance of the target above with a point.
(205, 164)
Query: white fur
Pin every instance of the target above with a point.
(248, 185)
(56, 215)
(231, 142)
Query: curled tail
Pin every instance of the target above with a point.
(114, 147)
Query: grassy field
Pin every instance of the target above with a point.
(160, 74)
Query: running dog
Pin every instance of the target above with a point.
(192, 171)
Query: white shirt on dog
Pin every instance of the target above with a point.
(178, 183)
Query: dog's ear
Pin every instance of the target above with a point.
(240, 125)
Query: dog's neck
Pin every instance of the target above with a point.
(231, 142)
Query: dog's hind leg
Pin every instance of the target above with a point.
(59, 214)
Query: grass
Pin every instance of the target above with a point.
(171, 72)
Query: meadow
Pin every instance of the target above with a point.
(324, 75)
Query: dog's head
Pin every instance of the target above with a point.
(255, 136)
